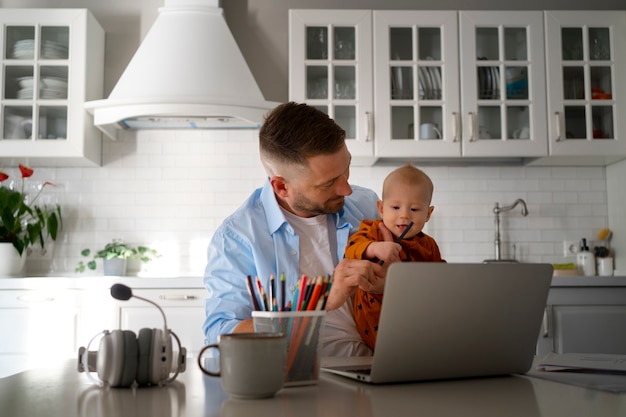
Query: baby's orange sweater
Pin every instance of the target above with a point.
(420, 248)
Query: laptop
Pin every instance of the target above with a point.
(447, 320)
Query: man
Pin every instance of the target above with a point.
(297, 223)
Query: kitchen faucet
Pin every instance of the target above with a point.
(497, 210)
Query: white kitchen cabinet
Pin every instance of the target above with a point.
(586, 63)
(52, 62)
(41, 326)
(503, 84)
(436, 96)
(37, 327)
(468, 84)
(584, 320)
(183, 308)
(330, 67)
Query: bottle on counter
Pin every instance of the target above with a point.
(585, 260)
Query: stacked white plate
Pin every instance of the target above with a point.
(50, 88)
(24, 49)
(53, 50)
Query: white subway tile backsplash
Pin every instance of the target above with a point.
(171, 189)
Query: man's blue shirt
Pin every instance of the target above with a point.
(257, 240)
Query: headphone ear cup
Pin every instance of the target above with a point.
(146, 356)
(117, 358)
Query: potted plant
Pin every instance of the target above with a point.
(115, 255)
(22, 222)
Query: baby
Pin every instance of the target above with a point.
(406, 198)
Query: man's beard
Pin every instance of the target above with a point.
(302, 204)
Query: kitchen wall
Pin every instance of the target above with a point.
(170, 190)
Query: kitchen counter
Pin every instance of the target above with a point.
(92, 283)
(87, 283)
(58, 390)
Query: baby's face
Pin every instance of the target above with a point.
(402, 205)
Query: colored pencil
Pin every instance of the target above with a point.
(250, 287)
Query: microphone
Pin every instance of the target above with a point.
(124, 293)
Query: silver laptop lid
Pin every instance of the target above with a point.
(443, 320)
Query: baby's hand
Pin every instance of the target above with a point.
(384, 251)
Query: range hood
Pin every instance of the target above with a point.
(188, 73)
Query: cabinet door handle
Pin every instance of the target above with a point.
(456, 126)
(472, 126)
(558, 124)
(177, 297)
(369, 136)
(546, 327)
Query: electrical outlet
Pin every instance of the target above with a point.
(570, 247)
(38, 253)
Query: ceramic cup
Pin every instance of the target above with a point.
(429, 131)
(523, 133)
(604, 266)
(252, 365)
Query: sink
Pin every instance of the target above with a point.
(501, 261)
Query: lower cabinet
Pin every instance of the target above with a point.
(584, 320)
(40, 327)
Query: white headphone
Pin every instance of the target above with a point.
(124, 359)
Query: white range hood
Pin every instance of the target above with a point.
(188, 73)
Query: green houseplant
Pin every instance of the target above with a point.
(118, 252)
(22, 222)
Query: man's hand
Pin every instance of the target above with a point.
(353, 273)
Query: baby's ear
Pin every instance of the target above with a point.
(379, 204)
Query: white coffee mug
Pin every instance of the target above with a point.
(429, 131)
(252, 365)
(523, 133)
(604, 266)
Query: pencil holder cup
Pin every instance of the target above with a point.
(303, 330)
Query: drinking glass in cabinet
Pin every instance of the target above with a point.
(317, 82)
(344, 41)
(518, 122)
(316, 42)
(345, 79)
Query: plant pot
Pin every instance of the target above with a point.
(11, 263)
(115, 267)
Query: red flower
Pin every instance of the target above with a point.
(26, 171)
(3, 176)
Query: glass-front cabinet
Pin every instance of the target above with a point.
(416, 84)
(330, 67)
(586, 64)
(52, 62)
(503, 84)
(472, 84)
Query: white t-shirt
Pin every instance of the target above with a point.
(318, 249)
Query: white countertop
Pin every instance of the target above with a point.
(101, 282)
(59, 390)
